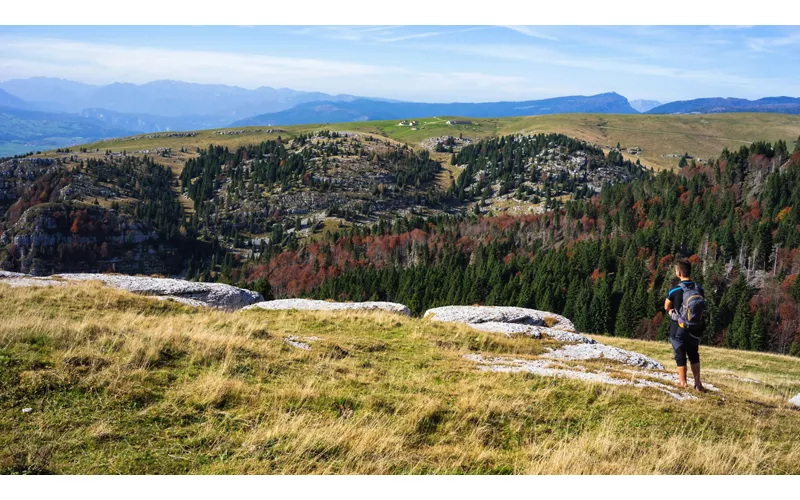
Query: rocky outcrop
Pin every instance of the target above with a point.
(515, 321)
(216, 295)
(511, 321)
(322, 305)
(602, 351)
(73, 237)
(548, 368)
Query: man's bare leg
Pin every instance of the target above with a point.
(696, 374)
(682, 375)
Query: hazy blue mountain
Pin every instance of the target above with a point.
(160, 98)
(143, 123)
(644, 105)
(788, 105)
(366, 109)
(9, 101)
(50, 94)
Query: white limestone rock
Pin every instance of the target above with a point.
(547, 368)
(486, 314)
(322, 305)
(511, 321)
(9, 274)
(303, 343)
(583, 352)
(217, 295)
(508, 329)
(795, 401)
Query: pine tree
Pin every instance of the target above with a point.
(600, 309)
(758, 332)
(739, 330)
(625, 318)
(263, 287)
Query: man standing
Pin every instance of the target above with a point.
(685, 304)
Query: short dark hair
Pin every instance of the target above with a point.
(684, 267)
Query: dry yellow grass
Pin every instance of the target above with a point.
(124, 384)
(658, 135)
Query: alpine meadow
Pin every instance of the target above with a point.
(460, 275)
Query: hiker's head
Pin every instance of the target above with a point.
(683, 268)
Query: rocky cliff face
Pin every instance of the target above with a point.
(60, 237)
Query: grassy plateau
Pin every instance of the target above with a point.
(122, 384)
(702, 136)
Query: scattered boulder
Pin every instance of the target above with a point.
(217, 295)
(508, 329)
(322, 305)
(497, 314)
(516, 321)
(300, 342)
(583, 352)
(795, 401)
(510, 321)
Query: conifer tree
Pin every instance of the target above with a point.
(739, 330)
(625, 318)
(600, 309)
(758, 332)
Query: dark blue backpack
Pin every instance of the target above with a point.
(693, 307)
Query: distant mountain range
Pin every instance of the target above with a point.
(162, 97)
(40, 112)
(644, 105)
(366, 109)
(9, 101)
(787, 105)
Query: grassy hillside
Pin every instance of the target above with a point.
(701, 136)
(118, 383)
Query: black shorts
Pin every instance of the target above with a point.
(684, 344)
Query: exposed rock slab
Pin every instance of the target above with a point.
(303, 343)
(15, 280)
(510, 321)
(9, 274)
(508, 329)
(516, 321)
(583, 352)
(217, 295)
(498, 314)
(322, 305)
(547, 368)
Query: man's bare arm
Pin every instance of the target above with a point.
(668, 305)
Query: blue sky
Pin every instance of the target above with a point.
(423, 63)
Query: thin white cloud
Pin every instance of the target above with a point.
(731, 27)
(22, 57)
(768, 44)
(411, 36)
(551, 57)
(104, 62)
(528, 31)
(379, 34)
